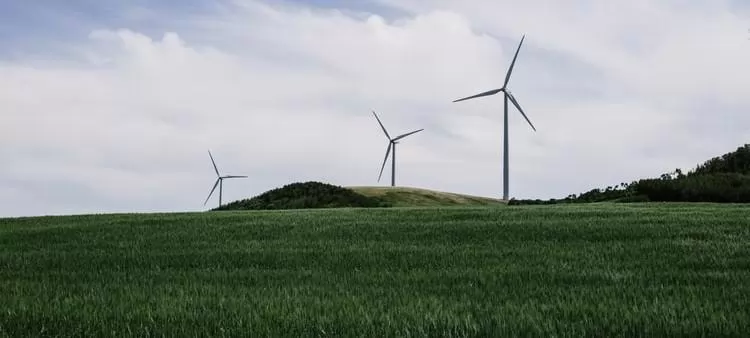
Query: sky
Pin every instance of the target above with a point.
(111, 106)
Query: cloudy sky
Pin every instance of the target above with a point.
(111, 106)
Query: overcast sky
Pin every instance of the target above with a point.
(111, 106)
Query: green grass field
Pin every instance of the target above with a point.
(571, 270)
(415, 197)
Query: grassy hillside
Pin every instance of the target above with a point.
(573, 270)
(414, 197)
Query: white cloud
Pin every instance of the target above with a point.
(284, 93)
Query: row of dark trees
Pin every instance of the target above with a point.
(724, 179)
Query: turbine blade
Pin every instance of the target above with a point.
(214, 163)
(235, 176)
(381, 125)
(212, 190)
(487, 93)
(512, 64)
(407, 134)
(515, 103)
(387, 152)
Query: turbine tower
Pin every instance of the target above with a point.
(392, 142)
(219, 181)
(508, 96)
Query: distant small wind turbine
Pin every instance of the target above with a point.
(507, 96)
(219, 180)
(391, 144)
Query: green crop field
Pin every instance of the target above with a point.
(569, 270)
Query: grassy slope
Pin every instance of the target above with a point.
(414, 197)
(604, 270)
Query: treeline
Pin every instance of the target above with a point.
(724, 179)
(306, 195)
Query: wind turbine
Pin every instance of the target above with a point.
(507, 95)
(219, 180)
(392, 142)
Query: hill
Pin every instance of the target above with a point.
(307, 195)
(316, 195)
(722, 179)
(737, 162)
(415, 197)
(662, 270)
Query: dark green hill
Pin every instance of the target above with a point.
(723, 179)
(308, 195)
(737, 162)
